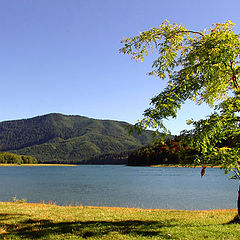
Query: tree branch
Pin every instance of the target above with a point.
(234, 78)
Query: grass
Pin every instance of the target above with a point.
(44, 221)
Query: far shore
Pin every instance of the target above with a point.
(72, 165)
(183, 166)
(35, 165)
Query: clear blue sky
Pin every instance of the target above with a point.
(63, 55)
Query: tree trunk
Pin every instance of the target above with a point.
(238, 201)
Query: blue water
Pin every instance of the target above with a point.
(121, 186)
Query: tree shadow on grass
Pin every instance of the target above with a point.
(236, 220)
(35, 229)
(5, 216)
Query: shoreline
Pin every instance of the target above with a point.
(51, 203)
(74, 165)
(36, 165)
(183, 166)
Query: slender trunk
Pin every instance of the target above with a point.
(238, 201)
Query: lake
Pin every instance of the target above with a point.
(120, 186)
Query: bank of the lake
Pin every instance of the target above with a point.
(65, 165)
(184, 166)
(42, 221)
(36, 165)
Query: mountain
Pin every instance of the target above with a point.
(70, 139)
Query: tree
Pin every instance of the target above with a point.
(202, 66)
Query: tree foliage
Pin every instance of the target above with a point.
(172, 151)
(202, 66)
(11, 158)
(217, 137)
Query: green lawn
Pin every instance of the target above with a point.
(43, 221)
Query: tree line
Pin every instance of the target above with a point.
(172, 151)
(11, 158)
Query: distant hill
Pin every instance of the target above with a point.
(76, 139)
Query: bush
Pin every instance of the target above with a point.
(11, 158)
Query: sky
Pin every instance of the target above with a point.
(62, 56)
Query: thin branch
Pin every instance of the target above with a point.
(186, 31)
(234, 78)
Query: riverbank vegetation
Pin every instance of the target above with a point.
(45, 221)
(171, 152)
(11, 158)
(36, 165)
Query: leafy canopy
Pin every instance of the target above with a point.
(217, 138)
(202, 66)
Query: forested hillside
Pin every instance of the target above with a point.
(60, 138)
